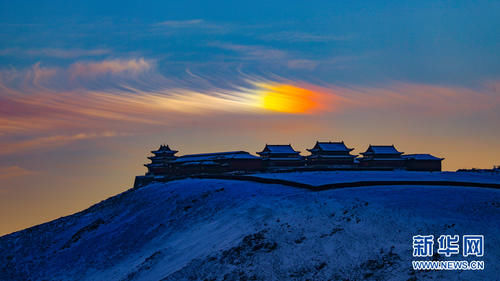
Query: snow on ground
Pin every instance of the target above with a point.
(206, 229)
(326, 177)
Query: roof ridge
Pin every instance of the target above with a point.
(212, 153)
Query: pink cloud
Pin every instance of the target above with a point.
(49, 141)
(420, 98)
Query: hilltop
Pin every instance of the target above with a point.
(213, 229)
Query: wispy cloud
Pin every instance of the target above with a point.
(295, 36)
(273, 57)
(115, 66)
(49, 141)
(180, 23)
(55, 52)
(302, 64)
(422, 99)
(34, 101)
(81, 74)
(135, 95)
(169, 27)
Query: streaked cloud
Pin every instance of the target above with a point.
(135, 95)
(51, 108)
(277, 58)
(170, 27)
(180, 23)
(55, 52)
(295, 36)
(49, 141)
(115, 66)
(422, 98)
(130, 102)
(302, 64)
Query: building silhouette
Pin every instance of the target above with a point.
(166, 165)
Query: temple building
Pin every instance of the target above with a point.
(165, 165)
(276, 156)
(382, 157)
(161, 161)
(219, 162)
(331, 155)
(422, 162)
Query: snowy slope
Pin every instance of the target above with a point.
(206, 229)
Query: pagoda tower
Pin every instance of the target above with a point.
(331, 154)
(281, 156)
(160, 162)
(382, 157)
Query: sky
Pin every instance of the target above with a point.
(89, 88)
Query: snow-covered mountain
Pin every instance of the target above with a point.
(209, 229)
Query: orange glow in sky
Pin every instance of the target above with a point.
(286, 98)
